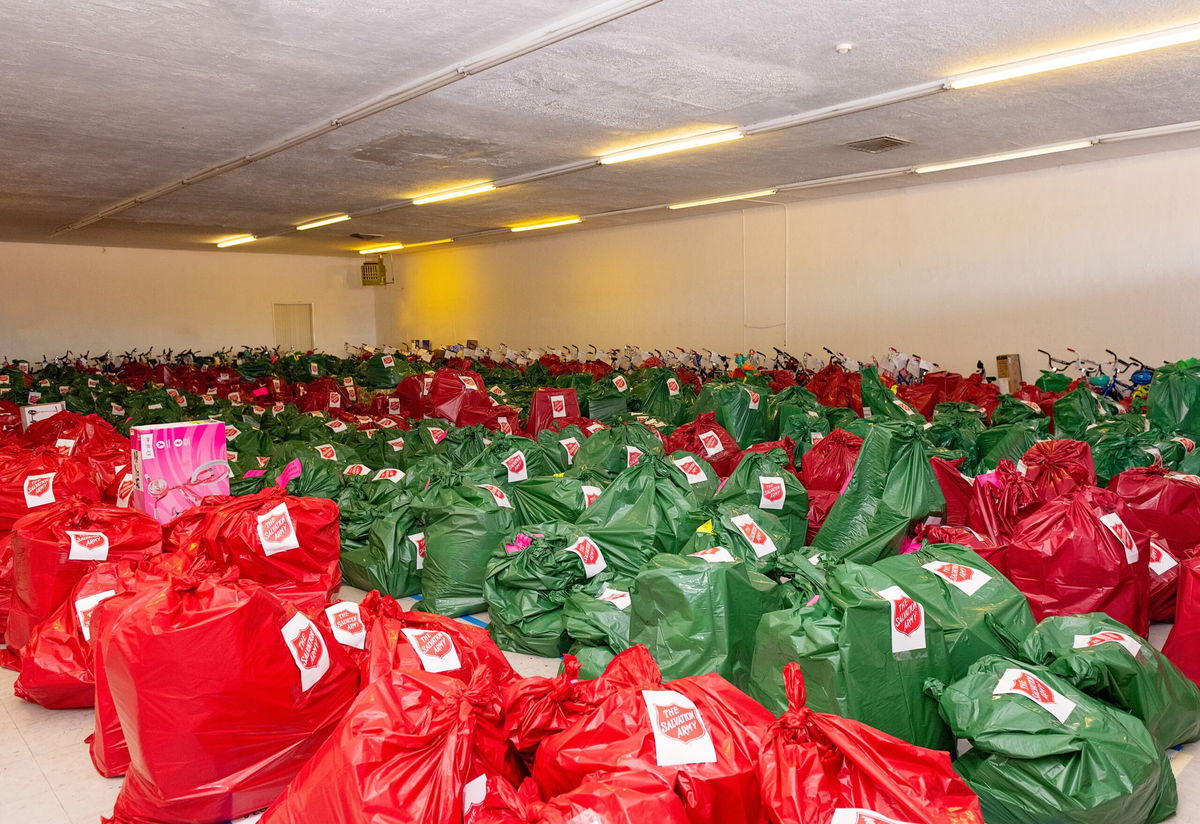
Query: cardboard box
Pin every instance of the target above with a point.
(175, 465)
(39, 412)
(1008, 372)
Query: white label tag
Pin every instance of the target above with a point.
(691, 469)
(499, 496)
(396, 444)
(276, 531)
(39, 490)
(716, 555)
(469, 382)
(87, 546)
(590, 494)
(474, 794)
(1020, 682)
(337, 426)
(389, 474)
(632, 455)
(680, 736)
(908, 620)
(558, 406)
(1161, 560)
(590, 554)
(815, 438)
(754, 398)
(1117, 527)
(968, 579)
(65, 446)
(84, 608)
(620, 383)
(672, 387)
(711, 443)
(356, 469)
(518, 470)
(125, 490)
(867, 412)
(418, 542)
(147, 447)
(772, 492)
(571, 445)
(616, 597)
(435, 649)
(1109, 637)
(861, 815)
(388, 361)
(759, 540)
(437, 434)
(326, 451)
(308, 650)
(345, 620)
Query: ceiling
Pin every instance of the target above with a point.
(113, 98)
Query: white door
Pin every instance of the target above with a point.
(294, 326)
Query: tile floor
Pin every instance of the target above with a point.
(46, 776)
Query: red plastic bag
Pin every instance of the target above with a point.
(427, 641)
(55, 546)
(414, 747)
(453, 391)
(1165, 569)
(1183, 644)
(835, 386)
(706, 438)
(6, 568)
(1161, 501)
(290, 545)
(699, 734)
(497, 418)
(1060, 466)
(814, 764)
(614, 798)
(74, 434)
(550, 405)
(999, 500)
(984, 546)
(923, 397)
(1076, 555)
(324, 395)
(827, 466)
(223, 692)
(38, 478)
(956, 488)
(56, 664)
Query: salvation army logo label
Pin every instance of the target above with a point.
(691, 469)
(389, 474)
(968, 579)
(711, 442)
(590, 494)
(307, 648)
(680, 735)
(955, 572)
(1036, 689)
(1188, 444)
(437, 434)
(1117, 527)
(125, 489)
(620, 382)
(517, 470)
(1161, 560)
(571, 445)
(39, 490)
(558, 406)
(672, 387)
(346, 623)
(84, 608)
(589, 553)
(681, 723)
(772, 493)
(468, 382)
(618, 598)
(393, 406)
(418, 542)
(276, 531)
(498, 495)
(1109, 637)
(87, 546)
(632, 455)
(754, 398)
(335, 400)
(65, 446)
(907, 618)
(231, 432)
(336, 426)
(1020, 682)
(759, 540)
(715, 555)
(396, 444)
(434, 648)
(356, 469)
(388, 361)
(348, 620)
(327, 452)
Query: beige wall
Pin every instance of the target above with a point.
(57, 298)
(1094, 255)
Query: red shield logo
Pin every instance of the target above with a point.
(37, 487)
(588, 551)
(327, 452)
(420, 544)
(907, 616)
(711, 441)
(1034, 688)
(308, 646)
(1156, 554)
(558, 404)
(277, 528)
(672, 385)
(634, 455)
(348, 621)
(515, 462)
(434, 644)
(1104, 637)
(681, 723)
(126, 488)
(772, 490)
(691, 467)
(571, 445)
(956, 572)
(89, 540)
(753, 533)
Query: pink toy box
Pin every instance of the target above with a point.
(175, 465)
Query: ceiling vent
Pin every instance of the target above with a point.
(877, 145)
(365, 236)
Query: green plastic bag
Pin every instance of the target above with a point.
(560, 448)
(880, 402)
(805, 426)
(741, 410)
(1174, 401)
(697, 615)
(891, 488)
(866, 649)
(649, 509)
(527, 583)
(1114, 451)
(1009, 441)
(512, 460)
(553, 498)
(466, 519)
(1075, 411)
(956, 426)
(661, 395)
(386, 371)
(598, 626)
(1050, 381)
(607, 399)
(612, 451)
(1046, 753)
(1011, 409)
(978, 609)
(392, 557)
(1104, 658)
(744, 531)
(361, 500)
(762, 480)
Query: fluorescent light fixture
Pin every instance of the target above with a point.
(1077, 57)
(374, 250)
(550, 224)
(726, 199)
(437, 197)
(323, 222)
(673, 146)
(429, 243)
(234, 241)
(1000, 158)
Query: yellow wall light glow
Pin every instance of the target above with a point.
(548, 224)
(325, 221)
(1000, 158)
(236, 241)
(437, 197)
(708, 202)
(374, 250)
